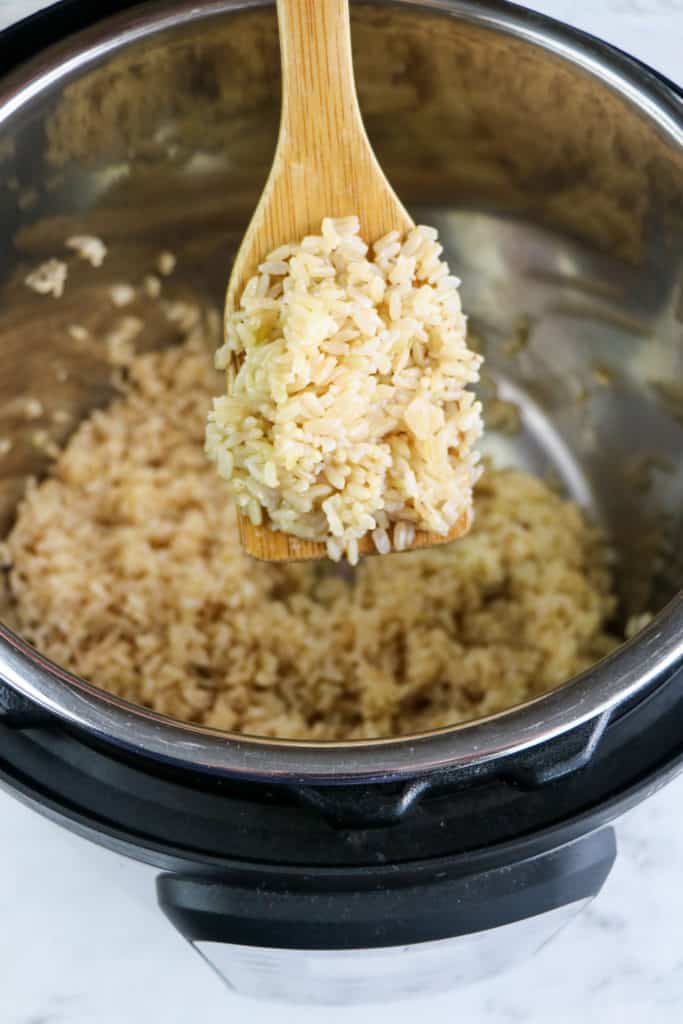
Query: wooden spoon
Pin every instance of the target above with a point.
(324, 166)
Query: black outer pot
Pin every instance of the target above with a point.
(378, 864)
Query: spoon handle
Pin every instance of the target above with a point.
(320, 114)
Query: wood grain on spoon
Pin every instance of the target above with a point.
(324, 166)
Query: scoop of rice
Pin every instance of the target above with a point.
(349, 413)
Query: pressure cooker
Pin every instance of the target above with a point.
(552, 165)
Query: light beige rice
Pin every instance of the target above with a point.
(348, 411)
(49, 278)
(126, 568)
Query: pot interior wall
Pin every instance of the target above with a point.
(560, 205)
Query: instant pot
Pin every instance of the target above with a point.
(552, 165)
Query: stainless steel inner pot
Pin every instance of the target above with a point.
(552, 166)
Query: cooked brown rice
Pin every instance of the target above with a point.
(127, 569)
(49, 278)
(349, 413)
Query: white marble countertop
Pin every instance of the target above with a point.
(81, 941)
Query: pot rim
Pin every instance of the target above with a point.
(629, 671)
